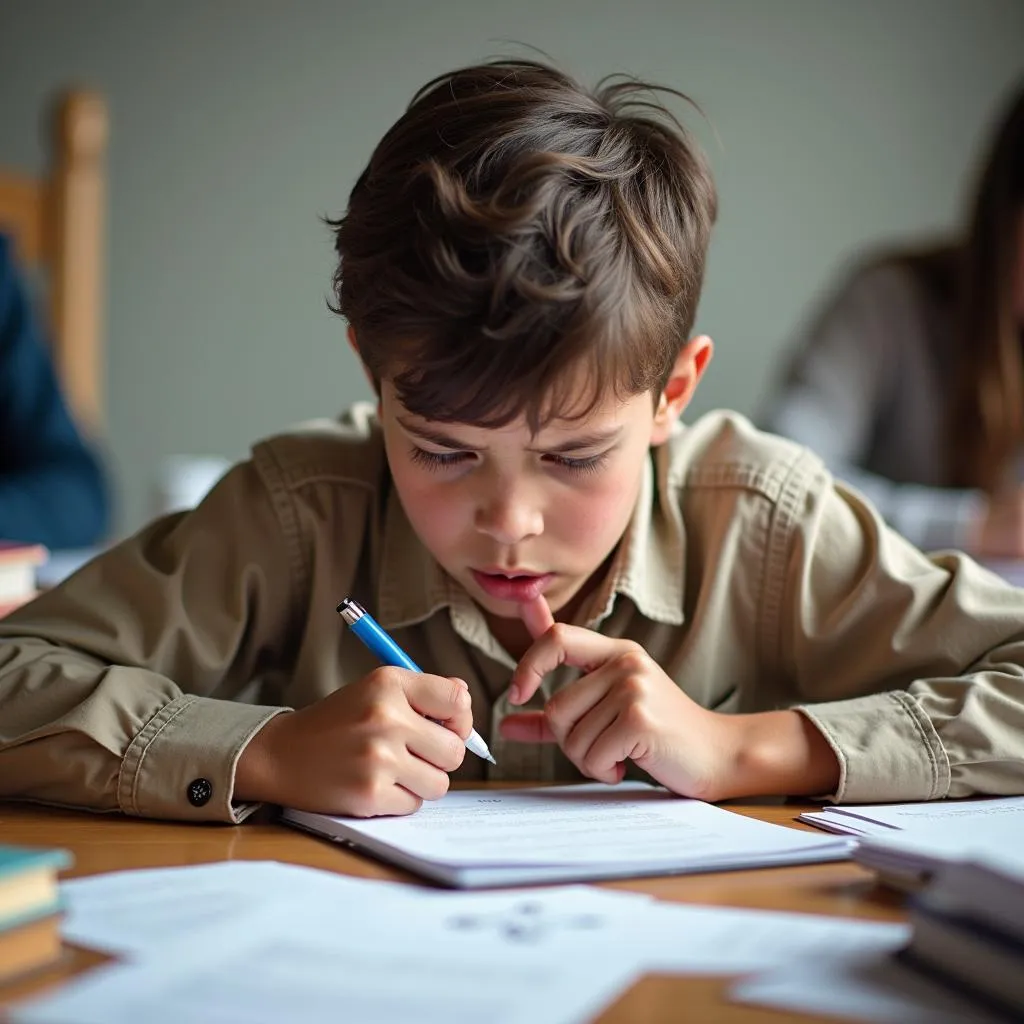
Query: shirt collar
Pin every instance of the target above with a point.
(648, 564)
(411, 585)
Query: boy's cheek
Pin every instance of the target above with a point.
(602, 512)
(441, 526)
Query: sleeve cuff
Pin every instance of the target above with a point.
(182, 764)
(888, 750)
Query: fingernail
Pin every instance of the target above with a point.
(513, 694)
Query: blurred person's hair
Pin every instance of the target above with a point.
(971, 281)
(986, 422)
(512, 226)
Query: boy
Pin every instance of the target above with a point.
(520, 264)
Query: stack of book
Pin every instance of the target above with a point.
(968, 930)
(29, 909)
(18, 566)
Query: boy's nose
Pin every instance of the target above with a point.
(509, 519)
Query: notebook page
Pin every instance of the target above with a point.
(629, 824)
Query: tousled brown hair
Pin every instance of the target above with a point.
(513, 227)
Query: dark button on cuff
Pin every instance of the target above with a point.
(199, 792)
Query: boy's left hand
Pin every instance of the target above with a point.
(623, 707)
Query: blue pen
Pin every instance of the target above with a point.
(366, 627)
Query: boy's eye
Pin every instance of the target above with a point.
(445, 460)
(589, 464)
(438, 460)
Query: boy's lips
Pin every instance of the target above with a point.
(518, 588)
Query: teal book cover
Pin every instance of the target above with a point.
(14, 860)
(28, 884)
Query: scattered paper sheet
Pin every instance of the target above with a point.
(269, 973)
(261, 941)
(137, 912)
(865, 986)
(721, 940)
(364, 951)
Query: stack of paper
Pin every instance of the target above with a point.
(967, 923)
(968, 928)
(906, 843)
(994, 814)
(908, 862)
(478, 838)
(964, 961)
(864, 986)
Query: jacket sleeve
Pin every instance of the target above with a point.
(845, 371)
(914, 664)
(52, 488)
(117, 687)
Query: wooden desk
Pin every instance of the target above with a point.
(109, 843)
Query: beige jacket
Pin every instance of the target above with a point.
(752, 578)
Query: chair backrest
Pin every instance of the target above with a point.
(57, 225)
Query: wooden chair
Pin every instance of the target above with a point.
(57, 226)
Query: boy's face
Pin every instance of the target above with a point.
(509, 514)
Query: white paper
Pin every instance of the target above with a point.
(866, 986)
(409, 955)
(998, 817)
(255, 941)
(283, 977)
(719, 940)
(581, 922)
(629, 824)
(135, 912)
(925, 849)
(139, 913)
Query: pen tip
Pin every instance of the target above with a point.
(490, 757)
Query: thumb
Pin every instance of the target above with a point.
(526, 727)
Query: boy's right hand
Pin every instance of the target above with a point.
(365, 750)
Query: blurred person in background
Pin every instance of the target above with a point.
(52, 487)
(910, 384)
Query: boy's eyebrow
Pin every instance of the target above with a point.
(435, 436)
(592, 440)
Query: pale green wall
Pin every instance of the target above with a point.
(236, 124)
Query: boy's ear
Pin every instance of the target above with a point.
(351, 333)
(689, 367)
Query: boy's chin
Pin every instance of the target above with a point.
(498, 609)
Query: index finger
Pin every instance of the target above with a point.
(446, 700)
(561, 645)
(536, 616)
